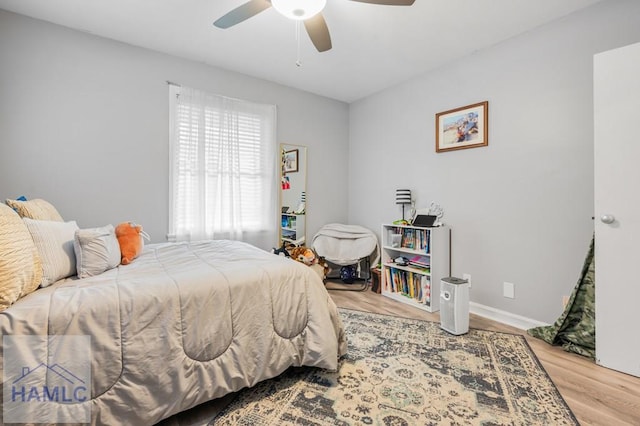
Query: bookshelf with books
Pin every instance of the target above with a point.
(415, 279)
(292, 228)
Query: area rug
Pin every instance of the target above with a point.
(401, 371)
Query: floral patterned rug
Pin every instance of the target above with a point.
(401, 371)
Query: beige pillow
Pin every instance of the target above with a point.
(97, 250)
(20, 268)
(35, 209)
(54, 241)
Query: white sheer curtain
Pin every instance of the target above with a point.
(223, 168)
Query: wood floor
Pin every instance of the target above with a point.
(596, 395)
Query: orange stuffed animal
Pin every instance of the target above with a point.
(303, 254)
(130, 239)
(308, 257)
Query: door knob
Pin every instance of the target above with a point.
(607, 218)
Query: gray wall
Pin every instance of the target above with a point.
(520, 209)
(84, 124)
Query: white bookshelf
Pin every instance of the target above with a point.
(415, 286)
(292, 228)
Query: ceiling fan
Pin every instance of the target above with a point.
(308, 11)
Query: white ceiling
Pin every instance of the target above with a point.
(374, 46)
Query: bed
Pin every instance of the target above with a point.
(183, 324)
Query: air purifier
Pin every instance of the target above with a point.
(454, 305)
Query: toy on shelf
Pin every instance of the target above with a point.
(436, 210)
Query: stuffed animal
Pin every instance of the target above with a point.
(303, 254)
(283, 250)
(130, 237)
(310, 258)
(325, 266)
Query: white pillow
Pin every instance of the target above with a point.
(97, 250)
(54, 241)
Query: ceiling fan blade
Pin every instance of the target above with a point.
(241, 13)
(388, 2)
(318, 32)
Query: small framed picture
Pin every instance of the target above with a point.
(464, 127)
(290, 161)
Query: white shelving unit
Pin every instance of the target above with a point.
(417, 286)
(292, 228)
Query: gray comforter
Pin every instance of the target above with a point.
(183, 324)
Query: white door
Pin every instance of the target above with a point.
(617, 208)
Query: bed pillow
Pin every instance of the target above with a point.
(20, 268)
(97, 250)
(35, 209)
(54, 241)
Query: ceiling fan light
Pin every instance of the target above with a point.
(299, 10)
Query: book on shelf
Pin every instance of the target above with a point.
(411, 284)
(425, 286)
(413, 239)
(387, 282)
(420, 261)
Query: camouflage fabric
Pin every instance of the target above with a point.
(575, 330)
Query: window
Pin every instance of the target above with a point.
(222, 167)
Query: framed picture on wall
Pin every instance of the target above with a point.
(464, 127)
(290, 161)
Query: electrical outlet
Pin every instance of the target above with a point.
(509, 290)
(468, 278)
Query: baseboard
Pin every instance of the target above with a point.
(504, 317)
